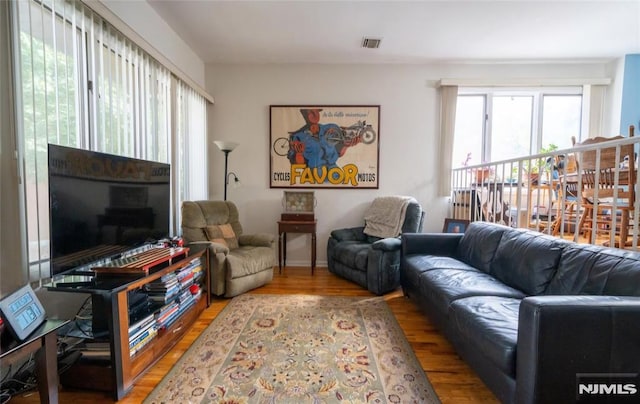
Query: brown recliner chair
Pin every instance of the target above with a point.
(237, 262)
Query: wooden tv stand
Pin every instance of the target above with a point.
(110, 294)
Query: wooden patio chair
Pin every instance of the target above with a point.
(607, 205)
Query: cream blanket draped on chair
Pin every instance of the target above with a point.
(385, 216)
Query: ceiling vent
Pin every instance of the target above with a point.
(371, 43)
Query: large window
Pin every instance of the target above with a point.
(493, 125)
(81, 83)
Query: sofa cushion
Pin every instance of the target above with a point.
(625, 278)
(414, 265)
(223, 234)
(526, 261)
(490, 325)
(441, 287)
(586, 269)
(352, 254)
(249, 260)
(479, 244)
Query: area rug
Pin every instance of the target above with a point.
(298, 349)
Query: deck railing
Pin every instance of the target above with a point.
(542, 192)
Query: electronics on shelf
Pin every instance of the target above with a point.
(22, 311)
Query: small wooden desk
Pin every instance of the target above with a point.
(43, 341)
(285, 227)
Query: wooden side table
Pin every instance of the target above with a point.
(43, 342)
(285, 227)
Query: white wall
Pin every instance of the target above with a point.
(147, 23)
(409, 127)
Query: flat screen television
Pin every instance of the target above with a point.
(102, 206)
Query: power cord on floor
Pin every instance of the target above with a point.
(4, 393)
(4, 397)
(18, 387)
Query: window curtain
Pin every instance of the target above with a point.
(190, 157)
(448, 102)
(593, 111)
(79, 82)
(10, 245)
(48, 108)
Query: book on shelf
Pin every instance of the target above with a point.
(162, 287)
(140, 324)
(164, 280)
(187, 280)
(171, 312)
(168, 277)
(168, 292)
(141, 343)
(141, 331)
(188, 303)
(142, 336)
(184, 296)
(184, 275)
(164, 317)
(165, 308)
(172, 318)
(165, 297)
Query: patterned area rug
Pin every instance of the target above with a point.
(298, 349)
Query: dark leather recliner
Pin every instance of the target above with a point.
(371, 262)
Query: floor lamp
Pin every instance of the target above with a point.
(226, 148)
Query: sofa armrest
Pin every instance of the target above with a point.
(349, 234)
(387, 244)
(214, 248)
(560, 337)
(443, 244)
(258, 239)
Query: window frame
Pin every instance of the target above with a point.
(537, 113)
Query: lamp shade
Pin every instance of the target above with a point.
(225, 145)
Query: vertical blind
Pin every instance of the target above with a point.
(190, 157)
(81, 83)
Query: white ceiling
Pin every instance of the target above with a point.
(308, 31)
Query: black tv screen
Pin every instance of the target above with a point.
(102, 205)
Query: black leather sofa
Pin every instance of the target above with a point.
(534, 316)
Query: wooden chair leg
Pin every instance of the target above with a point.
(586, 212)
(624, 228)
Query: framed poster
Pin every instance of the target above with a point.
(316, 146)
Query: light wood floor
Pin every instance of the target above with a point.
(452, 379)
